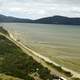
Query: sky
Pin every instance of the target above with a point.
(35, 9)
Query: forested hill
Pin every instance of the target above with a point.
(47, 20)
(4, 18)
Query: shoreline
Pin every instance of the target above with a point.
(23, 62)
(46, 59)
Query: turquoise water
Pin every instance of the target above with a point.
(60, 43)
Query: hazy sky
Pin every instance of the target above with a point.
(40, 8)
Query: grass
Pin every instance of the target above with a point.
(6, 77)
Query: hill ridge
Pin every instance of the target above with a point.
(47, 20)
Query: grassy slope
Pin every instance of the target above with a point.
(14, 62)
(6, 77)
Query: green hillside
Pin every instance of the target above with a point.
(6, 77)
(14, 62)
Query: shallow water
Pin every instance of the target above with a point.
(61, 43)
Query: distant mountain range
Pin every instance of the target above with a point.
(47, 20)
(4, 18)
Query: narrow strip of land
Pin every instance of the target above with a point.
(41, 58)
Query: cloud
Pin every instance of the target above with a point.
(39, 8)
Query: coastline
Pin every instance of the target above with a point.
(47, 60)
(24, 65)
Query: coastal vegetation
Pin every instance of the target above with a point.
(2, 30)
(59, 68)
(14, 62)
(7, 77)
